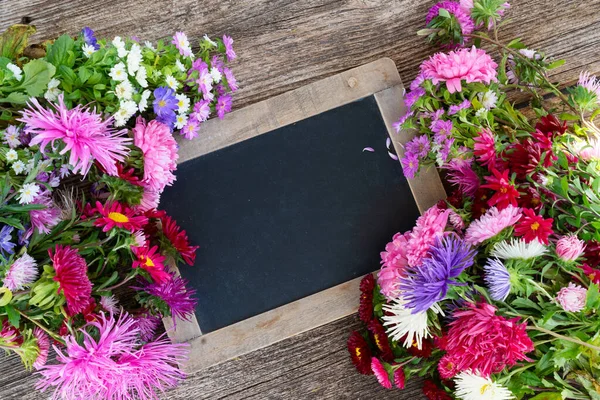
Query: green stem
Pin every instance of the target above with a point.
(49, 332)
(562, 337)
(130, 277)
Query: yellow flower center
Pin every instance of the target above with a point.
(484, 388)
(535, 226)
(378, 342)
(503, 190)
(357, 352)
(149, 262)
(162, 103)
(118, 217)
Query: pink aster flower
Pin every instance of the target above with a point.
(149, 201)
(454, 8)
(569, 248)
(461, 174)
(21, 273)
(394, 262)
(202, 110)
(485, 148)
(79, 131)
(180, 41)
(113, 363)
(380, 373)
(590, 83)
(428, 228)
(43, 343)
(109, 303)
(228, 43)
(572, 298)
(492, 223)
(471, 65)
(160, 153)
(71, 274)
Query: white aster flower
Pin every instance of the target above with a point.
(183, 103)
(209, 41)
(30, 165)
(179, 65)
(109, 303)
(11, 136)
(140, 77)
(11, 156)
(134, 58)
(64, 171)
(402, 322)
(140, 239)
(143, 104)
(470, 386)
(180, 121)
(120, 46)
(488, 99)
(126, 110)
(17, 72)
(171, 82)
(53, 91)
(481, 113)
(118, 72)
(88, 50)
(28, 192)
(531, 54)
(18, 167)
(216, 75)
(149, 45)
(124, 90)
(518, 249)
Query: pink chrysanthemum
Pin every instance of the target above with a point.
(113, 364)
(491, 223)
(485, 148)
(454, 8)
(480, 340)
(160, 153)
(82, 132)
(380, 373)
(572, 298)
(150, 200)
(43, 343)
(428, 228)
(569, 248)
(394, 262)
(46, 218)
(471, 65)
(21, 273)
(182, 44)
(71, 275)
(461, 174)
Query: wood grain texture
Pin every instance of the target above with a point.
(282, 45)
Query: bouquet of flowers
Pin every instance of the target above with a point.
(87, 146)
(494, 294)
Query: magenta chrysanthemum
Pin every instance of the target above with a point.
(492, 223)
(46, 218)
(79, 131)
(470, 65)
(147, 324)
(454, 8)
(160, 153)
(21, 273)
(43, 343)
(485, 148)
(113, 364)
(176, 295)
(461, 174)
(71, 275)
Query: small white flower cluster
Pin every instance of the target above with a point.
(183, 106)
(28, 192)
(16, 71)
(88, 50)
(53, 91)
(11, 137)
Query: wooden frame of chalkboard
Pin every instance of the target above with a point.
(379, 79)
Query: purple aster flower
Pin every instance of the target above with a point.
(444, 150)
(42, 177)
(217, 62)
(428, 284)
(464, 20)
(199, 65)
(412, 96)
(419, 146)
(442, 130)
(147, 324)
(175, 294)
(21, 273)
(231, 81)
(398, 124)
(25, 137)
(456, 108)
(5, 239)
(46, 218)
(497, 279)
(23, 236)
(201, 110)
(165, 102)
(223, 105)
(168, 119)
(89, 38)
(410, 164)
(220, 89)
(180, 41)
(190, 130)
(416, 83)
(228, 42)
(436, 115)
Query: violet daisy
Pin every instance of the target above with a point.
(6, 245)
(497, 279)
(176, 296)
(165, 102)
(46, 218)
(427, 284)
(464, 19)
(410, 165)
(223, 105)
(180, 41)
(231, 81)
(419, 146)
(81, 132)
(89, 38)
(228, 43)
(411, 97)
(442, 130)
(454, 108)
(21, 273)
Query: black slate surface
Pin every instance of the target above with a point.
(289, 213)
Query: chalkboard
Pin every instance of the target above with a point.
(289, 213)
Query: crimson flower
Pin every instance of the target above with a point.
(592, 273)
(179, 239)
(424, 351)
(550, 124)
(506, 192)
(71, 275)
(149, 259)
(592, 253)
(532, 227)
(381, 340)
(119, 216)
(433, 392)
(360, 353)
(365, 309)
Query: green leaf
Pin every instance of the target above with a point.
(37, 75)
(15, 98)
(84, 74)
(593, 297)
(568, 117)
(5, 296)
(547, 396)
(68, 75)
(12, 222)
(443, 13)
(58, 52)
(13, 315)
(555, 64)
(14, 40)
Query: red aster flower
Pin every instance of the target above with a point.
(360, 353)
(179, 240)
(544, 142)
(592, 273)
(433, 392)
(365, 309)
(592, 253)
(119, 216)
(128, 175)
(551, 124)
(532, 226)
(523, 157)
(424, 352)
(149, 259)
(480, 203)
(506, 193)
(88, 312)
(531, 199)
(399, 378)
(71, 275)
(381, 340)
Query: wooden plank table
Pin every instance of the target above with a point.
(284, 44)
